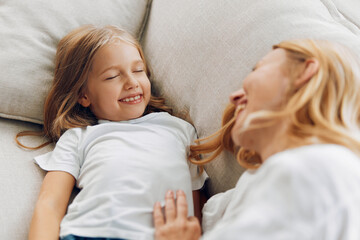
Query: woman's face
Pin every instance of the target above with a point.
(264, 88)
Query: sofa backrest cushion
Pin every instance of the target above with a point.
(199, 52)
(30, 32)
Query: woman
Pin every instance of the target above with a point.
(297, 120)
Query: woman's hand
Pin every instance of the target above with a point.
(176, 225)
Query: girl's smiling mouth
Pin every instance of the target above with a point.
(133, 99)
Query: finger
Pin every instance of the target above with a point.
(158, 216)
(181, 204)
(193, 219)
(170, 212)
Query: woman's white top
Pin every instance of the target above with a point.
(310, 192)
(122, 169)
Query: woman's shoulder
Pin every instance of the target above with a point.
(320, 155)
(309, 175)
(316, 165)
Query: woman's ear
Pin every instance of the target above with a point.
(84, 100)
(311, 68)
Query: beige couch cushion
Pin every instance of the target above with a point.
(20, 180)
(199, 52)
(349, 10)
(29, 33)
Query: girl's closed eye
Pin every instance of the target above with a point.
(109, 78)
(139, 70)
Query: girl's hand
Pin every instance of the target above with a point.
(176, 225)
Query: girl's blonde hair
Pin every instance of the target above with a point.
(327, 107)
(73, 61)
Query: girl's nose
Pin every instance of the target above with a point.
(237, 97)
(131, 83)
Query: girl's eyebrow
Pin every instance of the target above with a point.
(109, 68)
(117, 66)
(138, 61)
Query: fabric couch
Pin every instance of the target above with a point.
(198, 53)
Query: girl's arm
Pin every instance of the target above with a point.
(51, 205)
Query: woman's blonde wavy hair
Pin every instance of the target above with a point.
(73, 61)
(327, 107)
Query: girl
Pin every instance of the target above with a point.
(297, 120)
(114, 140)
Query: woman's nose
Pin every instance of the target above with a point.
(237, 97)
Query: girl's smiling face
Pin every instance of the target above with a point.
(118, 87)
(265, 88)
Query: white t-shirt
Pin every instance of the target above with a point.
(310, 192)
(122, 169)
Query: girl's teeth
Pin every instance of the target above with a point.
(131, 99)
